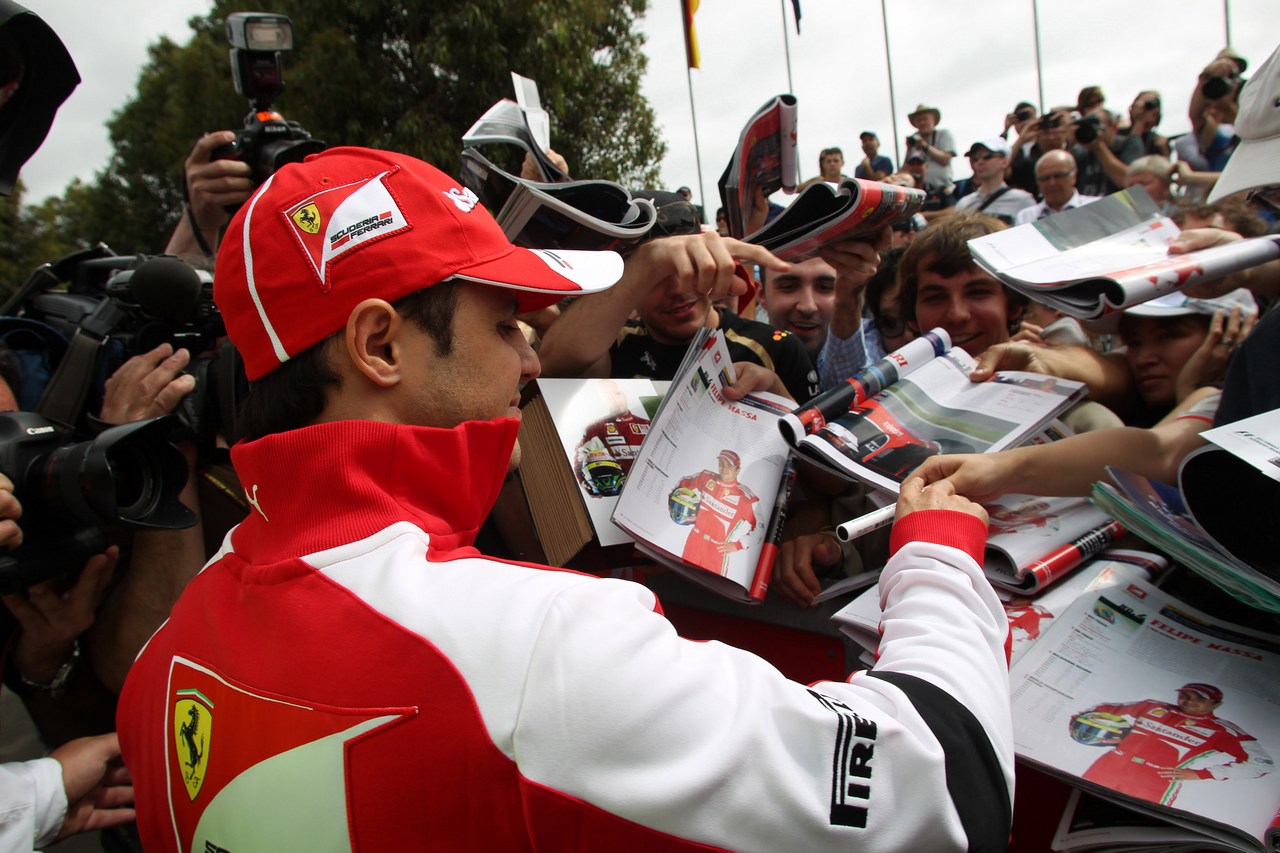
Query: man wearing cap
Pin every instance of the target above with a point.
(989, 158)
(938, 145)
(726, 514)
(874, 166)
(350, 673)
(1171, 744)
(939, 199)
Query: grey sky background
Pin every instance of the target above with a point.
(973, 61)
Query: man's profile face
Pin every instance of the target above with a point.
(971, 306)
(673, 312)
(831, 165)
(801, 301)
(479, 379)
(1195, 704)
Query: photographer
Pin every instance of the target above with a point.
(937, 145)
(1048, 133)
(1213, 113)
(1144, 118)
(1101, 155)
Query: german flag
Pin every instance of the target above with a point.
(689, 8)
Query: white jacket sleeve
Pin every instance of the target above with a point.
(32, 804)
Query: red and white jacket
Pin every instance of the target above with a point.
(348, 673)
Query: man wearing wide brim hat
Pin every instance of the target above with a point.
(935, 144)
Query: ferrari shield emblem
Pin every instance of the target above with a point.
(192, 728)
(307, 218)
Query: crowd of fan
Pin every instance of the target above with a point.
(809, 324)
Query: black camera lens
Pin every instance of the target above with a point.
(1086, 132)
(1151, 104)
(1217, 87)
(1024, 114)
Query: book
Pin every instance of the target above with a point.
(703, 488)
(1029, 615)
(763, 161)
(579, 439)
(1034, 541)
(587, 215)
(1137, 697)
(1102, 257)
(1221, 519)
(824, 213)
(917, 402)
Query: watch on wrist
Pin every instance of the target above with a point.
(57, 685)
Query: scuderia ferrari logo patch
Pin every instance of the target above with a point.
(192, 732)
(336, 221)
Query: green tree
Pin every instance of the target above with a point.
(409, 75)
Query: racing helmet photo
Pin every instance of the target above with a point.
(1099, 728)
(603, 476)
(683, 505)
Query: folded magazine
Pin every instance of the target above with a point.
(1034, 541)
(1135, 696)
(917, 402)
(764, 161)
(1102, 257)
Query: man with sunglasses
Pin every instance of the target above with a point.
(989, 158)
(642, 326)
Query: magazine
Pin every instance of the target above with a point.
(1103, 257)
(925, 404)
(1095, 823)
(1034, 541)
(522, 123)
(1133, 695)
(1029, 615)
(579, 439)
(702, 490)
(1221, 522)
(824, 213)
(764, 161)
(588, 215)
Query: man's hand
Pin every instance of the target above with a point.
(855, 261)
(979, 477)
(147, 386)
(215, 185)
(99, 789)
(1016, 355)
(754, 377)
(51, 618)
(916, 496)
(1263, 279)
(1029, 332)
(795, 573)
(10, 512)
(701, 263)
(1208, 364)
(530, 172)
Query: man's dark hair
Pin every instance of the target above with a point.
(826, 151)
(294, 394)
(943, 248)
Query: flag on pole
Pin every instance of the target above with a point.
(795, 4)
(689, 7)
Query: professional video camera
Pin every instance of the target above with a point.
(128, 476)
(115, 307)
(267, 141)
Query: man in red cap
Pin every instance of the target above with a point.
(726, 514)
(349, 673)
(1171, 744)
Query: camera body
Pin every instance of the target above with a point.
(128, 476)
(1088, 128)
(914, 140)
(267, 141)
(1214, 88)
(1024, 114)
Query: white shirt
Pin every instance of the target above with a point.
(1041, 210)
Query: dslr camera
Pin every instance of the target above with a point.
(1088, 128)
(267, 141)
(1214, 88)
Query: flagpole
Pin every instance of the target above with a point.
(1035, 23)
(697, 151)
(893, 102)
(786, 44)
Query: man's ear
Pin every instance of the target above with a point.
(372, 341)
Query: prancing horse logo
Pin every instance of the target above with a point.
(192, 730)
(308, 219)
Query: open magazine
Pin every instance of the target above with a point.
(522, 123)
(1103, 257)
(763, 161)
(588, 215)
(1221, 522)
(923, 404)
(1138, 697)
(702, 490)
(1034, 541)
(1029, 615)
(1096, 823)
(824, 213)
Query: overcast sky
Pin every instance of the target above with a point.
(973, 61)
